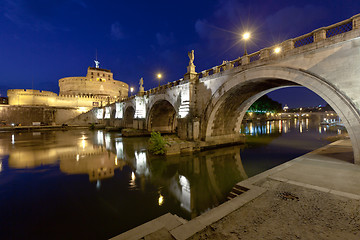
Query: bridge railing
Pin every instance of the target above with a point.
(269, 53)
(288, 45)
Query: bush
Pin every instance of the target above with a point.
(92, 126)
(157, 143)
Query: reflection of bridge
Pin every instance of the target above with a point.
(209, 106)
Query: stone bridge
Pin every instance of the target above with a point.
(209, 106)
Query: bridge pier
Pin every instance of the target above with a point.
(188, 128)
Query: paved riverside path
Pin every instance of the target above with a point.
(326, 188)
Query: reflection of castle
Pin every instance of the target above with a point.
(96, 89)
(98, 164)
(75, 155)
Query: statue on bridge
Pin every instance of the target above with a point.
(191, 57)
(141, 88)
(191, 67)
(141, 82)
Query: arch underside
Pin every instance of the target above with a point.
(228, 113)
(162, 117)
(129, 117)
(225, 110)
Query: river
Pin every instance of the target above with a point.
(94, 184)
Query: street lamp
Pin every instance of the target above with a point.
(131, 91)
(246, 36)
(277, 50)
(159, 76)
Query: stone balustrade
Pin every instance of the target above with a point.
(265, 54)
(288, 45)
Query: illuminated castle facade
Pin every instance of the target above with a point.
(97, 88)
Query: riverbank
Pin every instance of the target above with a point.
(313, 196)
(39, 128)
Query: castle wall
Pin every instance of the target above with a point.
(44, 98)
(26, 115)
(97, 82)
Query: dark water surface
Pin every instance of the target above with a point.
(94, 185)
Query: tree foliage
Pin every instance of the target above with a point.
(265, 104)
(157, 144)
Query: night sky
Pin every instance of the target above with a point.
(42, 41)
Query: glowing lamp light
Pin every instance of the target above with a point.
(159, 76)
(246, 36)
(277, 50)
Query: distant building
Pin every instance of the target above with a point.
(97, 88)
(285, 108)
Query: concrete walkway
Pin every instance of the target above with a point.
(328, 169)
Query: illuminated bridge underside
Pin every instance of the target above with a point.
(226, 120)
(162, 117)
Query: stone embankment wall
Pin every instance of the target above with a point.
(26, 115)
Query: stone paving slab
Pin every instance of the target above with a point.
(323, 169)
(166, 221)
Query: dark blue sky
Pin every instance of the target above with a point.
(42, 41)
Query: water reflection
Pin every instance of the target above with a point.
(120, 186)
(194, 184)
(284, 126)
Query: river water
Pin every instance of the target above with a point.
(94, 184)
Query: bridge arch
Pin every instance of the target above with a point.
(227, 107)
(129, 114)
(162, 116)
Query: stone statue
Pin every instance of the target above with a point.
(141, 82)
(191, 57)
(141, 88)
(97, 63)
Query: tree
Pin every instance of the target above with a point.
(265, 104)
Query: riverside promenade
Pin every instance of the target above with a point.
(315, 196)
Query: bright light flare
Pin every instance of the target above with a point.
(159, 75)
(277, 50)
(246, 36)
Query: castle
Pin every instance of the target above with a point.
(96, 89)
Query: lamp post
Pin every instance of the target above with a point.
(245, 37)
(131, 91)
(159, 76)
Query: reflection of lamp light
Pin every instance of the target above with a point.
(133, 176)
(161, 200)
(132, 181)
